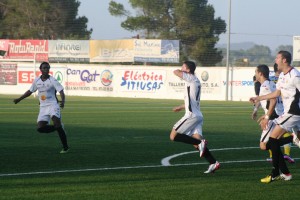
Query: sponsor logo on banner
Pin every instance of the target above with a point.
(89, 80)
(28, 49)
(8, 74)
(28, 76)
(59, 77)
(242, 83)
(209, 85)
(106, 77)
(111, 51)
(142, 80)
(68, 51)
(161, 51)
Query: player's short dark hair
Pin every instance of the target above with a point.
(286, 55)
(264, 69)
(44, 63)
(275, 67)
(191, 65)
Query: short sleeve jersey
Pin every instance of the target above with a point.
(46, 90)
(192, 94)
(266, 88)
(289, 85)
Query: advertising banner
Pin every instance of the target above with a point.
(296, 48)
(3, 48)
(8, 74)
(28, 49)
(69, 51)
(88, 80)
(142, 80)
(111, 51)
(160, 51)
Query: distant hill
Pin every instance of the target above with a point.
(237, 46)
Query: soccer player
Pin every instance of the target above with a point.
(286, 147)
(189, 128)
(288, 87)
(47, 86)
(272, 108)
(263, 78)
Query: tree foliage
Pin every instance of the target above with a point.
(190, 21)
(42, 19)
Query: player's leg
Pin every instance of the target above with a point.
(278, 160)
(56, 118)
(213, 163)
(43, 120)
(287, 148)
(181, 128)
(264, 138)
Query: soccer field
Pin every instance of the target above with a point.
(120, 149)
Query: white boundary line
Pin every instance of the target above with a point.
(165, 163)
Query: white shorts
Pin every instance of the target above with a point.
(267, 132)
(47, 112)
(288, 122)
(189, 125)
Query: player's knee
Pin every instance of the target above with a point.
(41, 130)
(263, 146)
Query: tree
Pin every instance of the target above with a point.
(42, 19)
(288, 48)
(190, 21)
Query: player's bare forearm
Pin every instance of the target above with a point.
(25, 95)
(63, 97)
(178, 73)
(179, 108)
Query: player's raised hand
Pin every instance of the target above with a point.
(253, 99)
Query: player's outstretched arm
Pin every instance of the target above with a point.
(179, 108)
(25, 95)
(63, 97)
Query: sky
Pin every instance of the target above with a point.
(263, 22)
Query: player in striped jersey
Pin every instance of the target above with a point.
(189, 128)
(47, 86)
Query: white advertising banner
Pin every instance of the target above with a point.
(296, 48)
(160, 51)
(68, 51)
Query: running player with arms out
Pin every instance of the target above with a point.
(47, 86)
(189, 128)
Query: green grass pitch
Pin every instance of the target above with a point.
(117, 145)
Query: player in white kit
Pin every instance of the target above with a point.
(287, 87)
(189, 128)
(47, 86)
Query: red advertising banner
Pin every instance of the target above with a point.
(28, 49)
(8, 74)
(28, 76)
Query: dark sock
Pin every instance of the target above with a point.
(63, 137)
(277, 158)
(208, 156)
(46, 129)
(285, 140)
(186, 139)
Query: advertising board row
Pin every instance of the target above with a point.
(132, 81)
(78, 51)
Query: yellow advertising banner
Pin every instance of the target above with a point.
(111, 51)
